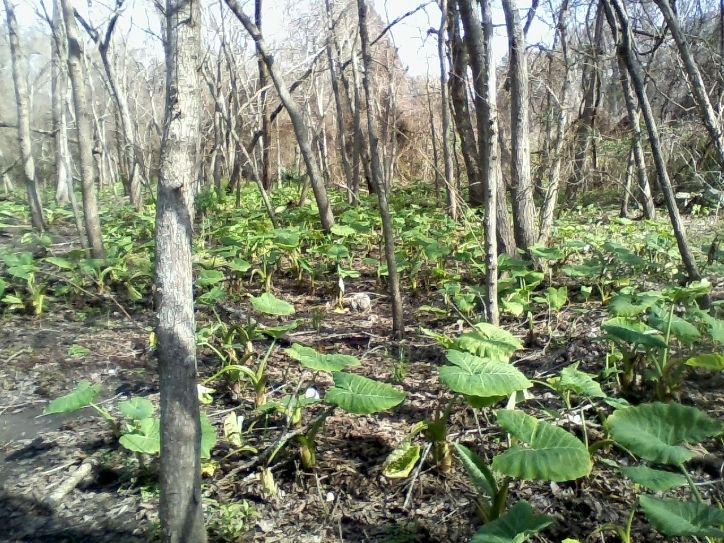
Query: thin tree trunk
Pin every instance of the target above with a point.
(637, 149)
(59, 90)
(524, 212)
(295, 115)
(180, 509)
(339, 108)
(590, 83)
(626, 197)
(398, 324)
(433, 141)
(450, 185)
(19, 67)
(625, 50)
(84, 133)
(550, 200)
(265, 138)
(693, 78)
(459, 95)
(478, 36)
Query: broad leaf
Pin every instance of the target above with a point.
(553, 453)
(62, 263)
(362, 396)
(208, 437)
(210, 277)
(137, 408)
(680, 328)
(146, 439)
(711, 361)
(546, 253)
(654, 479)
(580, 383)
(475, 376)
(489, 341)
(633, 333)
(313, 360)
(686, 519)
(657, 432)
(516, 526)
(628, 305)
(556, 297)
(271, 305)
(477, 470)
(402, 461)
(82, 396)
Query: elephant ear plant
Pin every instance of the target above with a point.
(352, 393)
(138, 428)
(661, 435)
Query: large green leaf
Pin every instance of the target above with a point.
(556, 297)
(579, 382)
(553, 453)
(686, 519)
(658, 432)
(711, 361)
(146, 439)
(210, 277)
(477, 470)
(654, 479)
(680, 328)
(546, 253)
(475, 376)
(313, 360)
(402, 461)
(137, 408)
(489, 341)
(516, 526)
(629, 305)
(362, 396)
(633, 333)
(271, 305)
(82, 396)
(208, 437)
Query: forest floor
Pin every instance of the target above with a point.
(346, 498)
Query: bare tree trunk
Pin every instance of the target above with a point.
(693, 78)
(180, 509)
(478, 38)
(450, 185)
(59, 90)
(295, 115)
(265, 139)
(590, 84)
(19, 67)
(84, 134)
(625, 199)
(398, 324)
(550, 200)
(636, 148)
(433, 141)
(332, 58)
(524, 212)
(625, 50)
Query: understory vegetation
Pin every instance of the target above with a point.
(601, 384)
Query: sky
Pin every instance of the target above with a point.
(417, 50)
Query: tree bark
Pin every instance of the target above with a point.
(265, 138)
(19, 70)
(636, 147)
(625, 50)
(398, 324)
(84, 133)
(478, 36)
(524, 212)
(295, 115)
(693, 78)
(180, 510)
(59, 90)
(450, 184)
(550, 200)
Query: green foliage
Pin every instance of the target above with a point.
(82, 396)
(483, 378)
(271, 305)
(312, 360)
(517, 526)
(659, 432)
(362, 396)
(552, 454)
(687, 519)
